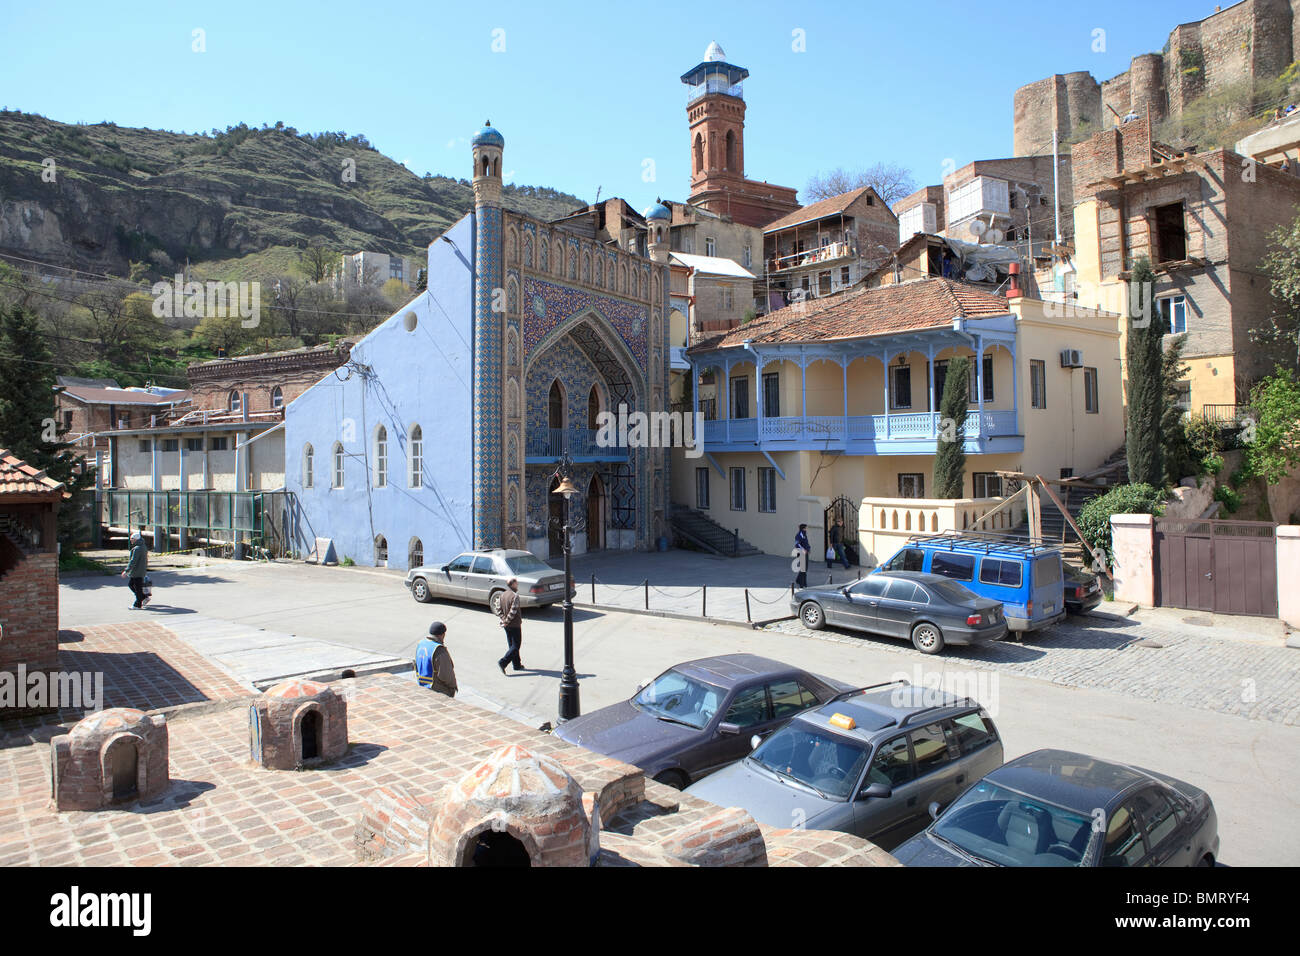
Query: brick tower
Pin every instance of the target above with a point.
(715, 111)
(487, 146)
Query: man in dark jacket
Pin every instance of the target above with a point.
(801, 548)
(837, 544)
(433, 665)
(513, 622)
(137, 566)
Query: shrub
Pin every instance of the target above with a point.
(1231, 500)
(1213, 464)
(1094, 518)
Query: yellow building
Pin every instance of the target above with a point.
(837, 399)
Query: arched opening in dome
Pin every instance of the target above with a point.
(310, 731)
(123, 762)
(498, 848)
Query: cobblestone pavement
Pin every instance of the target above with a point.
(1157, 657)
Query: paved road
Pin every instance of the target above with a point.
(1247, 765)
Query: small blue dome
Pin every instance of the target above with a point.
(659, 211)
(488, 136)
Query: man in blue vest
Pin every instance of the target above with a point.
(433, 665)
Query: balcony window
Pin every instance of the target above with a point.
(772, 395)
(900, 386)
(740, 397)
(738, 489)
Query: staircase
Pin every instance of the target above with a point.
(1055, 529)
(703, 532)
(15, 543)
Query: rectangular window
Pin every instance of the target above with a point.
(67, 421)
(844, 275)
(1171, 233)
(740, 397)
(911, 485)
(1037, 383)
(702, 488)
(710, 246)
(725, 296)
(1173, 310)
(145, 445)
(987, 378)
(824, 283)
(194, 444)
(900, 386)
(986, 484)
(217, 444)
(171, 444)
(771, 395)
(959, 567)
(972, 731)
(738, 489)
(1000, 572)
(767, 489)
(1090, 391)
(749, 257)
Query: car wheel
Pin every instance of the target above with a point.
(420, 590)
(494, 602)
(927, 638)
(672, 778)
(812, 616)
(1206, 860)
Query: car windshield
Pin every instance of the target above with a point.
(675, 697)
(526, 563)
(818, 758)
(953, 592)
(1004, 827)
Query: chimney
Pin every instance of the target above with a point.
(1013, 289)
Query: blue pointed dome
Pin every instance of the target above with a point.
(659, 211)
(488, 136)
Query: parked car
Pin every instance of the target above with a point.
(1026, 578)
(699, 716)
(1055, 808)
(928, 608)
(869, 763)
(1082, 589)
(481, 576)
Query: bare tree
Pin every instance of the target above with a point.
(891, 182)
(316, 261)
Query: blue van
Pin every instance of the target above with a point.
(1026, 578)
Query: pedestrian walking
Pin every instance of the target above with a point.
(137, 565)
(836, 550)
(513, 622)
(802, 548)
(433, 665)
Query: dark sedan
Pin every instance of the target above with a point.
(1082, 589)
(699, 716)
(1056, 808)
(930, 609)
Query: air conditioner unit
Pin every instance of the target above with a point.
(1071, 358)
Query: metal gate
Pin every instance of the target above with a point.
(847, 511)
(1228, 567)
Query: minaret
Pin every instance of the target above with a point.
(658, 218)
(489, 280)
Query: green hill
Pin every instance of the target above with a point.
(245, 198)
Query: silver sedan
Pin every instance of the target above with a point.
(481, 576)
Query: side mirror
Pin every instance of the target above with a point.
(445, 567)
(754, 741)
(727, 729)
(934, 810)
(876, 790)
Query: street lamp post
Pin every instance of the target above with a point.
(569, 707)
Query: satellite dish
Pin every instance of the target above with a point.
(995, 236)
(977, 227)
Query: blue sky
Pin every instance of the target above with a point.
(584, 93)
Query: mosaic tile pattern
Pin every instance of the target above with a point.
(488, 463)
(547, 306)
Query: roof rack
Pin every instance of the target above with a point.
(845, 694)
(986, 541)
(917, 715)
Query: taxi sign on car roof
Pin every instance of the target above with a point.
(843, 721)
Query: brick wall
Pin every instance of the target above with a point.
(29, 609)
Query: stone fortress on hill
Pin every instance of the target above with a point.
(1252, 40)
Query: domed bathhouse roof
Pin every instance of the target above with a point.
(658, 211)
(488, 136)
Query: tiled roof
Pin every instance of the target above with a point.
(121, 396)
(19, 478)
(910, 306)
(818, 210)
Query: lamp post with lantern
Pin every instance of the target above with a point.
(569, 707)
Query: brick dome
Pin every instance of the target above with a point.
(111, 721)
(295, 687)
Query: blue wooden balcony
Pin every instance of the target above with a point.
(548, 444)
(986, 432)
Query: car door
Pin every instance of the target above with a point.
(880, 819)
(1164, 825)
(861, 603)
(1124, 844)
(898, 608)
(981, 750)
(908, 559)
(451, 583)
(938, 767)
(482, 577)
(748, 708)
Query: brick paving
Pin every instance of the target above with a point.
(1255, 681)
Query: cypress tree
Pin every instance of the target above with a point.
(1146, 382)
(950, 456)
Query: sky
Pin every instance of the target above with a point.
(587, 95)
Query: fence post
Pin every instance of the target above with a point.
(747, 615)
(704, 601)
(593, 587)
(646, 585)
(735, 541)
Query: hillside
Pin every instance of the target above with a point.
(244, 197)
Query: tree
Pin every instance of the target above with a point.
(1094, 517)
(1146, 398)
(316, 261)
(1273, 441)
(223, 332)
(1179, 458)
(1282, 266)
(950, 458)
(891, 182)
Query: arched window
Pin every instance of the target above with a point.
(308, 466)
(415, 554)
(277, 397)
(235, 403)
(555, 406)
(338, 465)
(381, 457)
(417, 457)
(699, 153)
(381, 551)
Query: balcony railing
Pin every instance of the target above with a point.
(1225, 414)
(578, 442)
(908, 426)
(827, 253)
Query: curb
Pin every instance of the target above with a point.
(391, 666)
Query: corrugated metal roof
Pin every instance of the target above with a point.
(712, 265)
